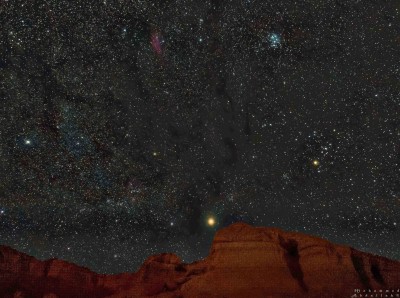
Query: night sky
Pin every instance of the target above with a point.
(130, 128)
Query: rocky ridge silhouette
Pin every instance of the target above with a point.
(244, 261)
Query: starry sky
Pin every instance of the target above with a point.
(135, 127)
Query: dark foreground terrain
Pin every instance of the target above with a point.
(244, 261)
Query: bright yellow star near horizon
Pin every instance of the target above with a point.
(211, 221)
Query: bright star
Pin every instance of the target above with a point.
(211, 221)
(316, 162)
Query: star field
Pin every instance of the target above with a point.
(129, 128)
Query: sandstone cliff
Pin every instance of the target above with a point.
(244, 261)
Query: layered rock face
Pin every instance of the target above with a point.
(244, 261)
(23, 276)
(269, 262)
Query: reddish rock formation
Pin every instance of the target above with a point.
(244, 262)
(24, 276)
